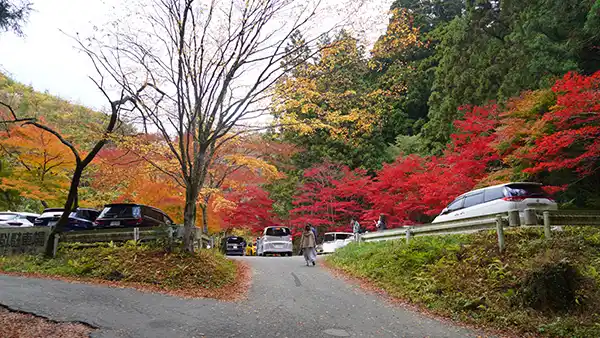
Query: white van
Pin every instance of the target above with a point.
(335, 240)
(275, 240)
(497, 199)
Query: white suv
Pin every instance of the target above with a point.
(497, 199)
(17, 219)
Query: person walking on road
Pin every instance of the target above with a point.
(355, 226)
(308, 244)
(381, 223)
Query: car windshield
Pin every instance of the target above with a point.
(279, 232)
(7, 216)
(236, 240)
(121, 211)
(525, 190)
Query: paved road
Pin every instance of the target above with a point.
(287, 299)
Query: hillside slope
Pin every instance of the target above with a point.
(536, 287)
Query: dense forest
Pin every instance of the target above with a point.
(456, 94)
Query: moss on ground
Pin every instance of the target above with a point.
(547, 287)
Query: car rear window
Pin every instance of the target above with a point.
(235, 240)
(329, 238)
(121, 211)
(525, 190)
(279, 232)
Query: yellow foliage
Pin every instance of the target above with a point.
(401, 34)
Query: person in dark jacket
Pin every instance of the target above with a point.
(381, 223)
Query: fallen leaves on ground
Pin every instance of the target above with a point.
(22, 325)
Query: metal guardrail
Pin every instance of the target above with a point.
(514, 218)
(115, 235)
(466, 225)
(127, 234)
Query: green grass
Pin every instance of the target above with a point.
(537, 286)
(131, 263)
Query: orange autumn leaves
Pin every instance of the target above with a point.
(39, 164)
(139, 169)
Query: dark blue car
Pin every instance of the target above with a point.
(234, 245)
(81, 219)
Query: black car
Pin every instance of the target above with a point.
(82, 219)
(49, 217)
(126, 215)
(233, 245)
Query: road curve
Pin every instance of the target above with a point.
(286, 299)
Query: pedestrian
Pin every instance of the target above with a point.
(355, 226)
(308, 244)
(381, 223)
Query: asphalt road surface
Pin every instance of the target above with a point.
(286, 299)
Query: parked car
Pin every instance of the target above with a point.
(233, 245)
(126, 215)
(251, 249)
(335, 240)
(17, 219)
(49, 217)
(319, 249)
(497, 199)
(82, 219)
(275, 240)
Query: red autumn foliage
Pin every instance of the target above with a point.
(252, 209)
(414, 187)
(330, 195)
(575, 123)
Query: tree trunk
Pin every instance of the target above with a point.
(70, 205)
(189, 219)
(204, 219)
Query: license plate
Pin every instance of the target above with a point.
(278, 246)
(115, 223)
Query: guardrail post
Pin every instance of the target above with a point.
(56, 238)
(500, 231)
(136, 234)
(547, 231)
(530, 217)
(408, 235)
(170, 230)
(514, 220)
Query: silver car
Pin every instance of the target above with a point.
(275, 240)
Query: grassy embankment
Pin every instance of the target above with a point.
(203, 274)
(536, 287)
